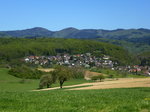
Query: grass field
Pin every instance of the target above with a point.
(110, 100)
(16, 97)
(11, 83)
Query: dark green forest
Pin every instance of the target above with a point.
(17, 48)
(144, 58)
(133, 47)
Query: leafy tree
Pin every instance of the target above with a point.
(98, 77)
(46, 80)
(77, 72)
(110, 76)
(63, 74)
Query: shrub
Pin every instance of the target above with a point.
(111, 76)
(98, 77)
(26, 72)
(77, 72)
(46, 80)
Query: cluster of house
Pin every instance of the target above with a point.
(85, 60)
(135, 69)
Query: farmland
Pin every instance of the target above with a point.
(75, 56)
(110, 100)
(16, 96)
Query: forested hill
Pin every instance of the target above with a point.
(135, 41)
(144, 58)
(12, 48)
(132, 35)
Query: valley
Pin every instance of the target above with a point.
(75, 56)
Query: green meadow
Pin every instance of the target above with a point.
(16, 96)
(11, 83)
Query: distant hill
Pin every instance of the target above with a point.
(37, 31)
(132, 35)
(134, 40)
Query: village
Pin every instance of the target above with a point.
(85, 60)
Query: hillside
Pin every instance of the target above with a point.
(133, 40)
(11, 83)
(132, 35)
(144, 58)
(135, 48)
(17, 48)
(37, 31)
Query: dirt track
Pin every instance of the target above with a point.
(121, 83)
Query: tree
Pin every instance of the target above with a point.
(62, 73)
(98, 77)
(77, 72)
(110, 76)
(46, 80)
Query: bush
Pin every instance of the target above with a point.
(46, 80)
(77, 72)
(98, 77)
(111, 76)
(26, 72)
(95, 69)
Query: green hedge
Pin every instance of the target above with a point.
(26, 72)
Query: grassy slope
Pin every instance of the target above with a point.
(116, 74)
(11, 83)
(110, 100)
(14, 97)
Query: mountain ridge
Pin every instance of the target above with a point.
(132, 35)
(73, 29)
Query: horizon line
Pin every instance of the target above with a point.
(76, 28)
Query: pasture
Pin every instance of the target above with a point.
(109, 100)
(16, 96)
(11, 83)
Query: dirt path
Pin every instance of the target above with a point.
(46, 69)
(121, 83)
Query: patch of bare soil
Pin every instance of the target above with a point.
(89, 74)
(46, 69)
(107, 84)
(121, 83)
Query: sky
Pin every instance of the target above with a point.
(82, 14)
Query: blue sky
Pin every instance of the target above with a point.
(81, 14)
